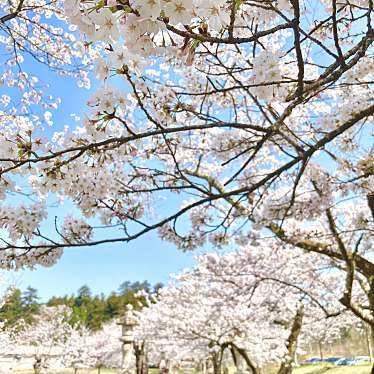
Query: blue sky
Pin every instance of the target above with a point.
(105, 267)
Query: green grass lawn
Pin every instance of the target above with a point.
(333, 369)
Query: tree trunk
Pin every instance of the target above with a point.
(203, 367)
(251, 365)
(369, 341)
(217, 362)
(234, 357)
(98, 369)
(286, 366)
(217, 357)
(38, 365)
(141, 358)
(320, 350)
(371, 334)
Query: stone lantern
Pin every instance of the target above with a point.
(128, 323)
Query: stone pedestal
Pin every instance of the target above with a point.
(128, 322)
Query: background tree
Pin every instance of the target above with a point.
(88, 310)
(241, 303)
(30, 301)
(45, 337)
(12, 310)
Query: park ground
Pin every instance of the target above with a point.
(332, 369)
(305, 369)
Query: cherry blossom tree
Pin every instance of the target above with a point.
(5, 334)
(45, 338)
(5, 344)
(53, 341)
(242, 303)
(34, 36)
(98, 349)
(104, 347)
(253, 118)
(77, 353)
(327, 330)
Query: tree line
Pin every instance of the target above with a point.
(88, 309)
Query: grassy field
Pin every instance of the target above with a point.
(332, 369)
(305, 369)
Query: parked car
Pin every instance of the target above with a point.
(332, 360)
(343, 361)
(353, 361)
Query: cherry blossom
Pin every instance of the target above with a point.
(93, 349)
(254, 120)
(45, 338)
(242, 302)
